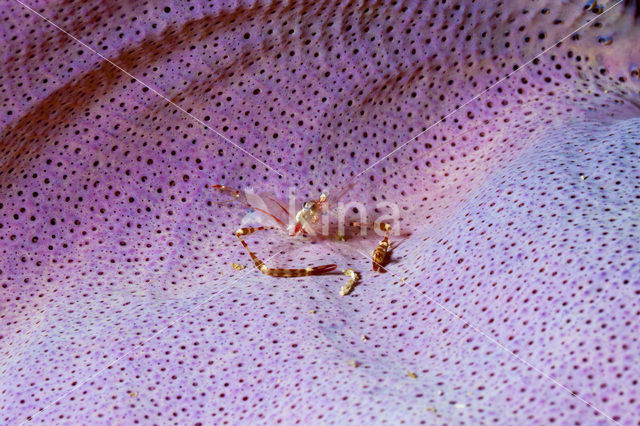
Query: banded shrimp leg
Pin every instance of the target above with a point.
(279, 272)
(379, 255)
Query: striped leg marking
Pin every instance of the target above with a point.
(280, 272)
(380, 253)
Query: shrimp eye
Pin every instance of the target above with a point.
(323, 196)
(307, 205)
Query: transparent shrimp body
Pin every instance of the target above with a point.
(309, 215)
(268, 212)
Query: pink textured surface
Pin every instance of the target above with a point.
(519, 213)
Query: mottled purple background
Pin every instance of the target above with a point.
(519, 213)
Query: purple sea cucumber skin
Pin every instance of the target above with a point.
(515, 280)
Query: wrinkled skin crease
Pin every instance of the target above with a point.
(518, 214)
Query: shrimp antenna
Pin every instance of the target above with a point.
(235, 193)
(225, 202)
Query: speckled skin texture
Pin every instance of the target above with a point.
(512, 290)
